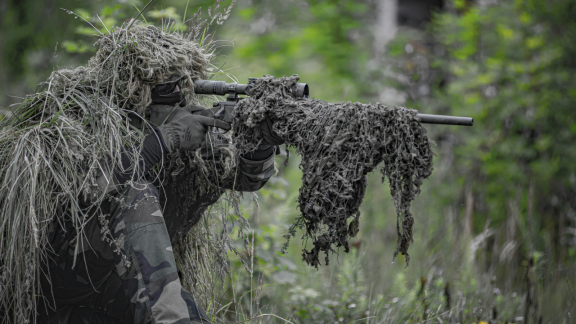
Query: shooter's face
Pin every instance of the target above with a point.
(168, 92)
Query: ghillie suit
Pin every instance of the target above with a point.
(56, 143)
(339, 144)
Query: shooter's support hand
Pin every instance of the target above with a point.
(269, 135)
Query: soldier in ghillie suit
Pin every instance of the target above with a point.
(94, 195)
(135, 280)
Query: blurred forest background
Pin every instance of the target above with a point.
(495, 226)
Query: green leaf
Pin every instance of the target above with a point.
(534, 42)
(247, 13)
(169, 13)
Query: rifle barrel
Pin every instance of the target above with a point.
(446, 120)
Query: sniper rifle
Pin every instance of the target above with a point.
(223, 109)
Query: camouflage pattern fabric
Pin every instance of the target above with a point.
(134, 280)
(184, 203)
(255, 173)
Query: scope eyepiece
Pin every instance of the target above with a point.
(300, 90)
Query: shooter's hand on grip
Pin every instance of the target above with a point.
(186, 132)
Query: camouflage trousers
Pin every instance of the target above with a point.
(134, 280)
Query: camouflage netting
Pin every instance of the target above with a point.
(339, 144)
(52, 146)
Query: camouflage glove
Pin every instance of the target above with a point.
(186, 132)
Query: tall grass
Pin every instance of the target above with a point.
(452, 277)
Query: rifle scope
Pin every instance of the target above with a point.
(221, 88)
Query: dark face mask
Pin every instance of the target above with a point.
(168, 92)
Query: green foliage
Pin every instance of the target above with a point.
(23, 31)
(328, 35)
(517, 88)
(509, 66)
(319, 43)
(109, 17)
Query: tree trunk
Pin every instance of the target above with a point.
(469, 213)
(385, 25)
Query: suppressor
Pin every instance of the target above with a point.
(445, 120)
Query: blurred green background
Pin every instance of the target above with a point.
(495, 225)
